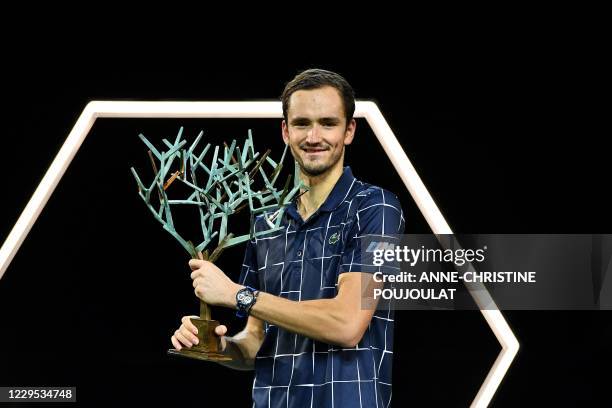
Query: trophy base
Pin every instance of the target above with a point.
(199, 355)
(208, 347)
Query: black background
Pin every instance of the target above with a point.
(505, 144)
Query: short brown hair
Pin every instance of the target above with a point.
(317, 78)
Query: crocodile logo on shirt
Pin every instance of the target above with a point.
(334, 238)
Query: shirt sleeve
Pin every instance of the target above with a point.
(378, 223)
(249, 272)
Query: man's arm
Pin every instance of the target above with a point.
(340, 320)
(243, 346)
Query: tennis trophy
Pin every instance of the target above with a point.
(218, 188)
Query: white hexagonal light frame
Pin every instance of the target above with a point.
(364, 109)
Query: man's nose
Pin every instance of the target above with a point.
(314, 134)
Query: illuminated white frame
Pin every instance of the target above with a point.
(364, 109)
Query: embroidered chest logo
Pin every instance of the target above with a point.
(334, 238)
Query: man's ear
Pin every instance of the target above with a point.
(285, 132)
(349, 133)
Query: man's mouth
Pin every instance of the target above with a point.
(313, 149)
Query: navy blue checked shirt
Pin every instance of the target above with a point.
(302, 261)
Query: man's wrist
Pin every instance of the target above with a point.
(231, 298)
(245, 299)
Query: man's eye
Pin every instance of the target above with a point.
(328, 124)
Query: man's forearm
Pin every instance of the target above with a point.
(243, 346)
(326, 320)
(340, 321)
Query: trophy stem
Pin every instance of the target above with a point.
(204, 311)
(204, 308)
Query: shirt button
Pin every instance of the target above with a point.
(299, 253)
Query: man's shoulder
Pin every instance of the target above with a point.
(365, 195)
(374, 208)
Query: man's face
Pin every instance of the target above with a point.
(316, 129)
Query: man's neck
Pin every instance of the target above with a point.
(319, 188)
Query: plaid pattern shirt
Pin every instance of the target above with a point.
(302, 262)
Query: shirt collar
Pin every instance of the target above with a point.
(336, 196)
(340, 191)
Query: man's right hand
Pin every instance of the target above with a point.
(186, 334)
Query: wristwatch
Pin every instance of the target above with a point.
(245, 299)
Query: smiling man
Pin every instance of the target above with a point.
(307, 336)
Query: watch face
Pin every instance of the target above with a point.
(245, 298)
